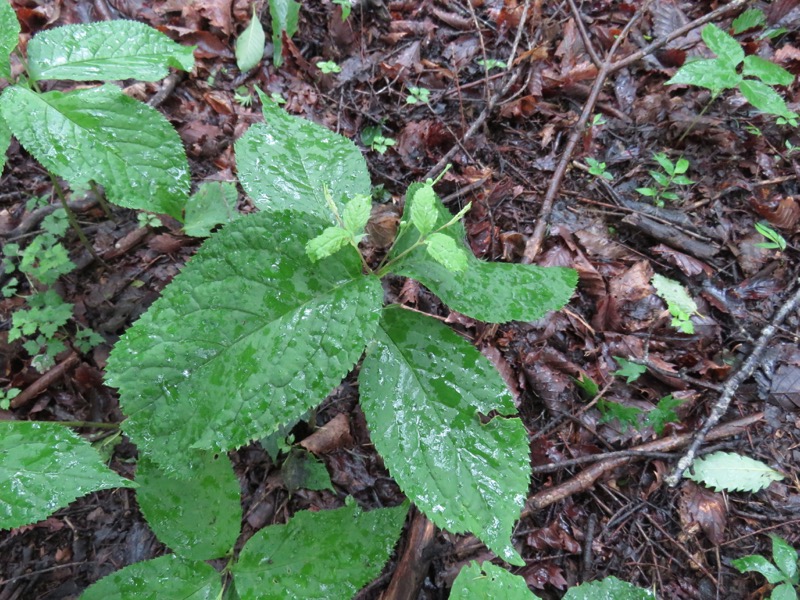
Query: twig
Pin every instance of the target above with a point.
(581, 460)
(413, 565)
(732, 385)
(436, 169)
(587, 43)
(44, 382)
(586, 478)
(534, 243)
(170, 83)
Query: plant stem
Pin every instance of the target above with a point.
(101, 199)
(71, 216)
(698, 117)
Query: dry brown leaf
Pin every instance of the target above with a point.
(700, 506)
(333, 435)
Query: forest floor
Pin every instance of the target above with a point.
(519, 140)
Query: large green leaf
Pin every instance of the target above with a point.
(102, 135)
(489, 582)
(318, 555)
(708, 73)
(765, 99)
(285, 15)
(609, 588)
(199, 517)
(250, 45)
(248, 337)
(722, 44)
(9, 36)
(106, 50)
(732, 472)
(213, 203)
(43, 467)
(163, 577)
(5, 140)
(493, 292)
(768, 72)
(423, 390)
(287, 162)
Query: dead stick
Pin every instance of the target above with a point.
(730, 387)
(586, 478)
(534, 243)
(44, 382)
(413, 565)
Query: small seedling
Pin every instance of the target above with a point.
(776, 240)
(598, 120)
(626, 416)
(755, 79)
(146, 219)
(679, 303)
(6, 396)
(672, 175)
(783, 570)
(328, 67)
(598, 169)
(277, 98)
(418, 95)
(492, 63)
(631, 371)
(242, 96)
(372, 138)
(347, 6)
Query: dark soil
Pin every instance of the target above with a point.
(626, 521)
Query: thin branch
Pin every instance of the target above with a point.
(732, 385)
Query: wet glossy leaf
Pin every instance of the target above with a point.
(285, 14)
(768, 72)
(707, 73)
(43, 467)
(9, 36)
(447, 252)
(214, 203)
(489, 582)
(423, 211)
(106, 50)
(5, 141)
(423, 391)
(785, 557)
(760, 565)
(749, 19)
(287, 162)
(629, 370)
(318, 556)
(732, 472)
(163, 577)
(356, 214)
(765, 99)
(494, 292)
(609, 588)
(330, 241)
(726, 47)
(663, 413)
(784, 591)
(247, 338)
(250, 45)
(199, 517)
(102, 135)
(302, 470)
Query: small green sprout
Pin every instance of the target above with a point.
(242, 96)
(418, 95)
(328, 67)
(776, 240)
(373, 138)
(492, 63)
(598, 169)
(672, 175)
(347, 6)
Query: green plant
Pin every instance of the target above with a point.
(754, 80)
(783, 570)
(598, 169)
(732, 472)
(372, 137)
(776, 240)
(631, 371)
(97, 134)
(250, 45)
(328, 66)
(679, 303)
(285, 16)
(42, 322)
(146, 219)
(347, 6)
(418, 95)
(268, 317)
(492, 63)
(672, 175)
(6, 396)
(242, 96)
